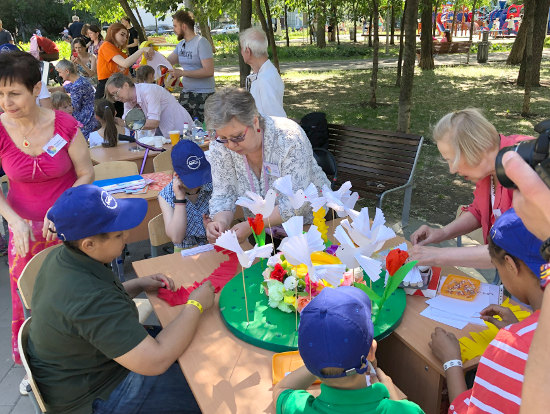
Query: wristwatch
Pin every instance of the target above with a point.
(176, 201)
(545, 250)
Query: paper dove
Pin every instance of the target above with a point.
(369, 238)
(341, 200)
(228, 240)
(284, 185)
(332, 273)
(312, 197)
(258, 205)
(351, 255)
(295, 227)
(414, 277)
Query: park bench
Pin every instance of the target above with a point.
(376, 162)
(448, 48)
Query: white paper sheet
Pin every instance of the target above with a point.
(442, 317)
(197, 250)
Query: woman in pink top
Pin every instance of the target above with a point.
(43, 153)
(469, 143)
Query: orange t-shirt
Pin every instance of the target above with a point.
(105, 65)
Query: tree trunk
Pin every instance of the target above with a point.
(518, 48)
(405, 92)
(401, 34)
(375, 50)
(370, 31)
(426, 41)
(332, 21)
(309, 25)
(138, 15)
(354, 38)
(320, 27)
(128, 10)
(472, 25)
(202, 20)
(392, 41)
(453, 25)
(539, 33)
(271, 36)
(286, 27)
(337, 34)
(528, 58)
(244, 23)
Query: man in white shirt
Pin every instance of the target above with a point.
(265, 83)
(161, 109)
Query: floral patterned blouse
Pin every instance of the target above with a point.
(82, 97)
(287, 148)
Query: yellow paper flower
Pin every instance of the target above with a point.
(320, 222)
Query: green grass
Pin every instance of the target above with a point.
(437, 194)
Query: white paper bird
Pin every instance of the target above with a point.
(369, 238)
(332, 273)
(284, 185)
(341, 200)
(351, 255)
(258, 205)
(228, 240)
(312, 197)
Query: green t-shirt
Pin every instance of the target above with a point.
(374, 399)
(82, 318)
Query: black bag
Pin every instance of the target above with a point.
(316, 128)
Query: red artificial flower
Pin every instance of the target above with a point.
(257, 224)
(395, 259)
(278, 273)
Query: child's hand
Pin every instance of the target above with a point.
(204, 294)
(506, 314)
(178, 187)
(153, 282)
(387, 381)
(444, 345)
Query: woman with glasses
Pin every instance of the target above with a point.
(249, 153)
(111, 59)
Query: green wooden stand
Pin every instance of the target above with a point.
(275, 330)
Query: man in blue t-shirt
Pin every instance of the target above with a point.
(195, 57)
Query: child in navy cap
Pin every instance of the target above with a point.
(87, 350)
(185, 201)
(515, 252)
(335, 340)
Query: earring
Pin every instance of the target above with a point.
(259, 130)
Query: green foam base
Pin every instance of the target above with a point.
(275, 330)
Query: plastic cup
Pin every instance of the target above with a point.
(158, 142)
(174, 137)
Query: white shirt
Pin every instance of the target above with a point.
(44, 93)
(268, 90)
(159, 104)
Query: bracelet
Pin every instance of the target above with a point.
(452, 363)
(176, 201)
(199, 307)
(545, 250)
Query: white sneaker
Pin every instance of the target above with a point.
(24, 386)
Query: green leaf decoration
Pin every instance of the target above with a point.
(374, 297)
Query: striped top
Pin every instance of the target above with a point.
(499, 378)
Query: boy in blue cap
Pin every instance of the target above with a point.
(515, 252)
(87, 350)
(185, 201)
(335, 340)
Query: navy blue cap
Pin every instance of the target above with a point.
(510, 234)
(88, 210)
(336, 330)
(190, 164)
(8, 47)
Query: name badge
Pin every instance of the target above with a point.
(272, 169)
(54, 145)
(497, 213)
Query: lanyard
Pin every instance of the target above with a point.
(249, 172)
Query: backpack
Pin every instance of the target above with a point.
(316, 128)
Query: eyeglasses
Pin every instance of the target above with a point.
(115, 94)
(240, 138)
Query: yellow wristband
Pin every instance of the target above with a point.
(195, 303)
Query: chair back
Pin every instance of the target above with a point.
(157, 234)
(115, 169)
(163, 162)
(327, 162)
(25, 284)
(22, 340)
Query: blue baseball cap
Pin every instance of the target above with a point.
(88, 210)
(190, 164)
(336, 330)
(510, 234)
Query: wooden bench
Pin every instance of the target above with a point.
(376, 162)
(448, 48)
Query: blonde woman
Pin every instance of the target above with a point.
(469, 143)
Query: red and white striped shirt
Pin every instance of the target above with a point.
(499, 378)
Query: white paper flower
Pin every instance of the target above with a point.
(290, 283)
(275, 259)
(275, 290)
(266, 274)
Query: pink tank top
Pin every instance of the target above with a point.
(37, 182)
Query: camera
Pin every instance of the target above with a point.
(534, 152)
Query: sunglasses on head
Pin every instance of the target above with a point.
(240, 138)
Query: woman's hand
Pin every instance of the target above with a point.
(153, 282)
(22, 232)
(506, 314)
(48, 229)
(242, 230)
(426, 255)
(214, 229)
(426, 235)
(204, 294)
(178, 187)
(444, 345)
(148, 52)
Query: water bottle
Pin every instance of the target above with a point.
(197, 132)
(186, 132)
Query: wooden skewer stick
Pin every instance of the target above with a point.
(245, 300)
(296, 307)
(272, 239)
